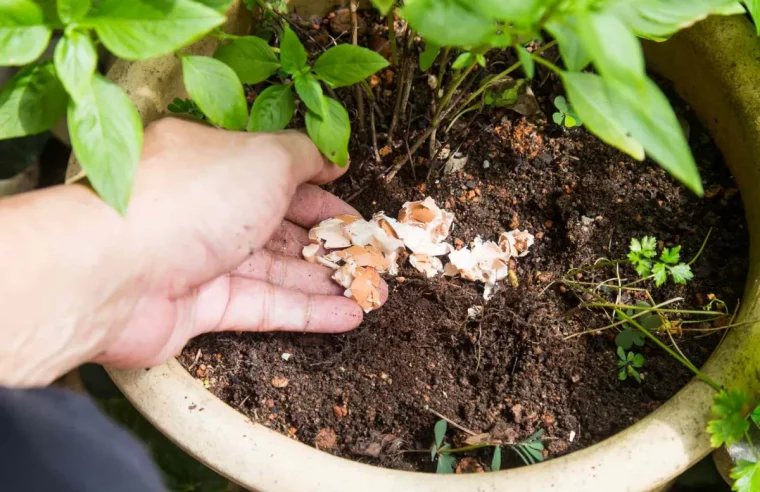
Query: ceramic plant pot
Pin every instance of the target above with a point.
(715, 66)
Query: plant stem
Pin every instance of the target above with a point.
(551, 66)
(702, 248)
(392, 36)
(442, 67)
(650, 308)
(503, 74)
(751, 446)
(467, 448)
(453, 86)
(670, 351)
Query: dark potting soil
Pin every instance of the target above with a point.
(369, 394)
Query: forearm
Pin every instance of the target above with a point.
(54, 242)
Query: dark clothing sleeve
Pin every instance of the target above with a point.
(54, 440)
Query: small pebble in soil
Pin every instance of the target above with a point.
(280, 382)
(486, 164)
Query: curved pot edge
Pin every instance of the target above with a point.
(647, 454)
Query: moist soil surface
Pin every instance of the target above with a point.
(371, 395)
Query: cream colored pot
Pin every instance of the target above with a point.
(716, 67)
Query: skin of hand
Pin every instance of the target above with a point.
(211, 242)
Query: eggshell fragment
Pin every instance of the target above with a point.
(487, 261)
(429, 265)
(331, 232)
(310, 252)
(365, 288)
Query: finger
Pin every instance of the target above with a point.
(255, 305)
(309, 165)
(289, 273)
(311, 205)
(289, 240)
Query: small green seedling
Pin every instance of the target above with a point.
(529, 450)
(565, 116)
(642, 254)
(631, 336)
(186, 106)
(438, 449)
(628, 363)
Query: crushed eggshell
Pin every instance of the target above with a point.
(365, 288)
(429, 265)
(487, 261)
(362, 250)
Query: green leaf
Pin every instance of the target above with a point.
(24, 33)
(73, 10)
(107, 136)
(638, 360)
(331, 133)
(747, 476)
(439, 431)
(643, 267)
(658, 19)
(649, 246)
(646, 113)
(480, 59)
(32, 101)
(347, 64)
(252, 59)
(526, 60)
(216, 90)
(561, 103)
(496, 460)
(756, 415)
(671, 255)
(588, 97)
(142, 29)
(384, 6)
(660, 274)
(681, 273)
(310, 92)
(524, 456)
(218, 5)
(558, 118)
(614, 49)
(623, 373)
(75, 61)
(433, 451)
(650, 322)
(522, 13)
(445, 464)
(429, 55)
(464, 60)
(570, 121)
(628, 337)
(449, 22)
(621, 353)
(571, 47)
(753, 6)
(273, 109)
(728, 424)
(292, 52)
(635, 374)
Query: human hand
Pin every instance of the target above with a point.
(203, 248)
